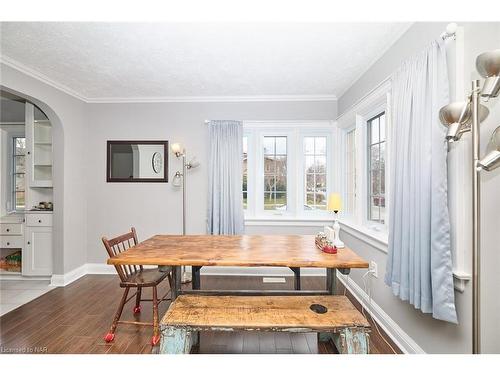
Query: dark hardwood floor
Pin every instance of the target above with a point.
(74, 319)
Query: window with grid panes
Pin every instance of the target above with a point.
(275, 172)
(315, 173)
(18, 173)
(376, 168)
(245, 173)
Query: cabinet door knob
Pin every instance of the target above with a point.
(29, 243)
(8, 243)
(29, 153)
(40, 220)
(8, 230)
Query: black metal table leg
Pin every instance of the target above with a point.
(196, 277)
(331, 280)
(176, 278)
(296, 280)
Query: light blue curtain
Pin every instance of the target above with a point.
(225, 178)
(419, 266)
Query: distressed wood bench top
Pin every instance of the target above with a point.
(279, 313)
(239, 251)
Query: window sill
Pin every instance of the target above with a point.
(376, 239)
(288, 220)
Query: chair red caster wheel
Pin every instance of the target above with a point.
(109, 337)
(155, 340)
(137, 309)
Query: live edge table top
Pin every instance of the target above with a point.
(237, 251)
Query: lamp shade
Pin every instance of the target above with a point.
(176, 148)
(492, 159)
(334, 202)
(488, 65)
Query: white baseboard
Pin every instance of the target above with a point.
(393, 330)
(100, 269)
(68, 277)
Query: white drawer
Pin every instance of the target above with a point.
(7, 229)
(11, 242)
(39, 220)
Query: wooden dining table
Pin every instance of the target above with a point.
(290, 251)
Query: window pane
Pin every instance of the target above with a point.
(280, 145)
(320, 182)
(20, 146)
(245, 183)
(20, 164)
(309, 164)
(376, 171)
(275, 173)
(18, 177)
(269, 200)
(269, 148)
(19, 182)
(374, 131)
(281, 165)
(245, 173)
(281, 183)
(20, 200)
(375, 182)
(374, 157)
(245, 146)
(320, 146)
(269, 183)
(321, 199)
(309, 145)
(281, 200)
(320, 164)
(310, 199)
(310, 185)
(269, 164)
(315, 172)
(374, 210)
(382, 128)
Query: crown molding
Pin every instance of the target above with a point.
(164, 99)
(40, 77)
(219, 99)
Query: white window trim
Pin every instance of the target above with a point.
(356, 118)
(295, 132)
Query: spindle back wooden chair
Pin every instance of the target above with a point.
(132, 276)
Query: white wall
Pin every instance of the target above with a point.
(67, 116)
(156, 207)
(431, 335)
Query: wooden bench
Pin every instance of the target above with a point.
(190, 314)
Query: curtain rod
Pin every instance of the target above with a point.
(450, 32)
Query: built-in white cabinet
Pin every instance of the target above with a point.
(26, 238)
(37, 252)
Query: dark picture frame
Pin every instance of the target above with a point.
(110, 144)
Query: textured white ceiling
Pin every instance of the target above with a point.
(152, 60)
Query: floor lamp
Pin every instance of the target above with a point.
(460, 118)
(179, 180)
